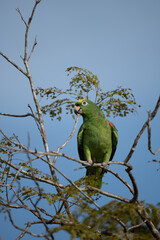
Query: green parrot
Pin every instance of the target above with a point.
(97, 139)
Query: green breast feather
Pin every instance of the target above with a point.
(97, 139)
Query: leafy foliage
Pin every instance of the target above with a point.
(85, 84)
(115, 220)
(7, 142)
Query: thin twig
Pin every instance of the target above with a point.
(18, 10)
(41, 218)
(21, 229)
(35, 43)
(136, 226)
(70, 136)
(27, 30)
(35, 118)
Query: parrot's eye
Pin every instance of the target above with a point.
(84, 103)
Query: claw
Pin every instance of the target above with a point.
(90, 161)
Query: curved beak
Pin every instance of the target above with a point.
(78, 110)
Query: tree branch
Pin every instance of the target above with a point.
(145, 217)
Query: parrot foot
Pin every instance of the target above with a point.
(106, 166)
(90, 161)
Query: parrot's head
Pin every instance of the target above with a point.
(86, 107)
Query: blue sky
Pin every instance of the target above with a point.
(117, 40)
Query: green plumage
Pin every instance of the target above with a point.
(97, 139)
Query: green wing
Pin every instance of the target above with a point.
(114, 140)
(80, 143)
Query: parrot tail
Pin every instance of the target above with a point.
(94, 177)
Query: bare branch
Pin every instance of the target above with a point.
(135, 192)
(122, 180)
(24, 231)
(14, 64)
(15, 115)
(41, 218)
(35, 43)
(153, 114)
(35, 118)
(21, 229)
(136, 226)
(108, 194)
(18, 10)
(149, 135)
(27, 30)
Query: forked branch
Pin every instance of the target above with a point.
(152, 115)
